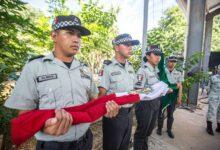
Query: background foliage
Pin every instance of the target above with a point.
(25, 32)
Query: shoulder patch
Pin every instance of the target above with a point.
(35, 57)
(83, 64)
(129, 63)
(107, 62)
(145, 66)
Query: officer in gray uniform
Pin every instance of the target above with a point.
(147, 111)
(174, 77)
(118, 76)
(214, 102)
(56, 81)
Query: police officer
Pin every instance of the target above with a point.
(56, 81)
(214, 102)
(147, 111)
(174, 77)
(118, 76)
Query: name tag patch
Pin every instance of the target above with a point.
(115, 73)
(152, 76)
(138, 83)
(84, 74)
(140, 77)
(46, 77)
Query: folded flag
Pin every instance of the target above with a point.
(26, 125)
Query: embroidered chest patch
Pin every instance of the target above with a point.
(46, 77)
(116, 73)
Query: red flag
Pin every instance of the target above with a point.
(26, 125)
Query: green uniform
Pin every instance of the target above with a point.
(47, 83)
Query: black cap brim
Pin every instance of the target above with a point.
(84, 31)
(172, 60)
(155, 52)
(133, 42)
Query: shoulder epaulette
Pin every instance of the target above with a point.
(83, 64)
(129, 63)
(145, 66)
(107, 62)
(35, 57)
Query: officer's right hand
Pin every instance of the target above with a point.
(112, 109)
(179, 85)
(170, 91)
(58, 125)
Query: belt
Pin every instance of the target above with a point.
(67, 142)
(125, 110)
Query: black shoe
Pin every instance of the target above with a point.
(159, 131)
(209, 128)
(170, 134)
(218, 128)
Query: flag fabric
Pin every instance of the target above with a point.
(172, 97)
(26, 125)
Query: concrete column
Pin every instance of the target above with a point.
(194, 42)
(145, 23)
(207, 42)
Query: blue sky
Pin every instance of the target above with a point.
(130, 17)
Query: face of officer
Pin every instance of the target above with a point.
(171, 64)
(66, 41)
(153, 59)
(124, 50)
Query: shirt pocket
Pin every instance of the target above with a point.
(115, 82)
(132, 79)
(152, 79)
(86, 82)
(213, 97)
(217, 84)
(50, 94)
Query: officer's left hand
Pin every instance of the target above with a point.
(179, 85)
(170, 91)
(179, 102)
(58, 125)
(112, 109)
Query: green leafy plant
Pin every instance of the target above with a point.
(191, 78)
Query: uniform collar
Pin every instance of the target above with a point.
(51, 57)
(169, 70)
(151, 68)
(115, 62)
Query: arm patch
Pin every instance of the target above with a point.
(107, 62)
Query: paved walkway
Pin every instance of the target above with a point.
(190, 133)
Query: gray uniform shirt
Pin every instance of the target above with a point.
(174, 76)
(118, 78)
(47, 83)
(147, 76)
(214, 85)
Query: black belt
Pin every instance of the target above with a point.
(125, 110)
(67, 142)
